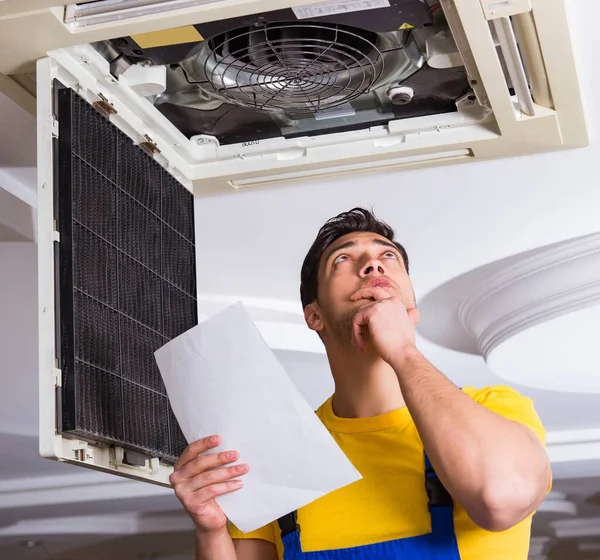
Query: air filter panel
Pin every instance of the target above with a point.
(127, 278)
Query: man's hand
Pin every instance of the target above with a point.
(198, 479)
(386, 323)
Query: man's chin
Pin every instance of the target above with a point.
(341, 331)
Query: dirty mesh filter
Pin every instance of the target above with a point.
(126, 277)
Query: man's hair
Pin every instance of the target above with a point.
(355, 220)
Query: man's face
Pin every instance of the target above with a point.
(355, 261)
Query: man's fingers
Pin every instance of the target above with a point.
(414, 315)
(211, 492)
(371, 293)
(203, 463)
(212, 478)
(194, 449)
(358, 338)
(359, 327)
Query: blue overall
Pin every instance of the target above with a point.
(440, 544)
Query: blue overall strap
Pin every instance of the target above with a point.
(290, 536)
(439, 544)
(441, 510)
(288, 523)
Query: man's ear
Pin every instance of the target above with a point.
(312, 316)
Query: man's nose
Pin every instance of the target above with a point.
(373, 267)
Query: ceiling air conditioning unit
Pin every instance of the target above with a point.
(242, 96)
(142, 101)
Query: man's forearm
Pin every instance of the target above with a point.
(492, 466)
(214, 546)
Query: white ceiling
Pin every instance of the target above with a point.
(451, 220)
(18, 135)
(251, 244)
(541, 365)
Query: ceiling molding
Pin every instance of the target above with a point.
(580, 527)
(286, 336)
(283, 336)
(538, 547)
(563, 437)
(280, 322)
(549, 283)
(556, 504)
(21, 429)
(112, 524)
(70, 488)
(18, 94)
(17, 220)
(15, 186)
(574, 453)
(286, 310)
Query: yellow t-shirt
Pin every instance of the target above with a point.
(390, 501)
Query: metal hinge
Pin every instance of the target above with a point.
(104, 107)
(149, 146)
(54, 128)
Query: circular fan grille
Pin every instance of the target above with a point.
(292, 67)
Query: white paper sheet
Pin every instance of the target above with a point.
(222, 378)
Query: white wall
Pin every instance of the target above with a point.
(18, 338)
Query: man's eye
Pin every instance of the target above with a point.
(340, 259)
(390, 255)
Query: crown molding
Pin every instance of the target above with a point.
(538, 547)
(72, 489)
(282, 335)
(541, 286)
(574, 528)
(130, 523)
(13, 185)
(18, 94)
(260, 309)
(556, 504)
(16, 217)
(569, 437)
(280, 322)
(564, 449)
(574, 453)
